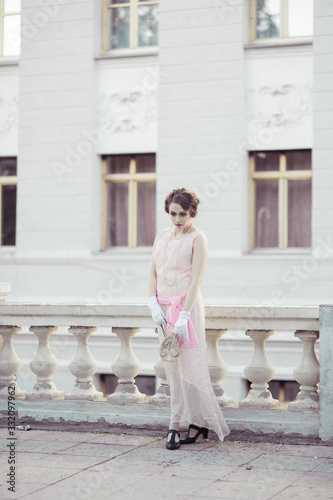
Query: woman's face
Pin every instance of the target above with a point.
(180, 218)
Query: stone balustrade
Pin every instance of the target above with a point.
(258, 323)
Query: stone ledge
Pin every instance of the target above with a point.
(245, 424)
(138, 315)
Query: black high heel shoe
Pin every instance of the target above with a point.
(200, 430)
(173, 444)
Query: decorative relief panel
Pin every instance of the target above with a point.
(280, 105)
(8, 114)
(127, 111)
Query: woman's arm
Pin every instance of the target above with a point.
(152, 282)
(199, 260)
(156, 310)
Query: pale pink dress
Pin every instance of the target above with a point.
(192, 398)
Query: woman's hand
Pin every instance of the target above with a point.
(156, 311)
(181, 326)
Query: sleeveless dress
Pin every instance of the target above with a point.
(192, 397)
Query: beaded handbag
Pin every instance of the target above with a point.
(169, 348)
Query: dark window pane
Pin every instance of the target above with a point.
(118, 164)
(298, 160)
(146, 213)
(8, 215)
(119, 22)
(267, 18)
(114, 2)
(266, 162)
(291, 389)
(284, 390)
(147, 25)
(7, 166)
(299, 213)
(145, 163)
(145, 383)
(117, 215)
(266, 213)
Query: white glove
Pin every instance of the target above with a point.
(181, 327)
(156, 311)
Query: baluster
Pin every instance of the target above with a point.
(83, 366)
(10, 363)
(126, 367)
(307, 373)
(216, 365)
(44, 364)
(5, 289)
(162, 396)
(259, 371)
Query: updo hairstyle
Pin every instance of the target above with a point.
(185, 198)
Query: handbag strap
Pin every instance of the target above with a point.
(165, 335)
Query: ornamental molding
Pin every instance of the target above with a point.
(8, 114)
(280, 105)
(127, 111)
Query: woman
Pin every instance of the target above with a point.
(177, 268)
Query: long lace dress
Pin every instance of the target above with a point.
(192, 398)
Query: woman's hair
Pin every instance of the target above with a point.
(185, 198)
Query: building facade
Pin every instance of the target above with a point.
(107, 106)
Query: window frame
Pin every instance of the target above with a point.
(7, 180)
(133, 26)
(2, 16)
(133, 178)
(284, 37)
(283, 176)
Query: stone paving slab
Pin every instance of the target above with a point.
(57, 465)
(285, 462)
(98, 450)
(40, 446)
(301, 450)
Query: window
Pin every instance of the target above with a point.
(284, 391)
(130, 24)
(128, 200)
(280, 19)
(280, 199)
(145, 383)
(8, 181)
(10, 27)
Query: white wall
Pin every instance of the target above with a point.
(54, 158)
(214, 94)
(201, 115)
(323, 124)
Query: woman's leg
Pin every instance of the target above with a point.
(173, 426)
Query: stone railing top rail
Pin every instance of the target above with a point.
(138, 315)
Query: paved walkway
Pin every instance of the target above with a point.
(70, 465)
